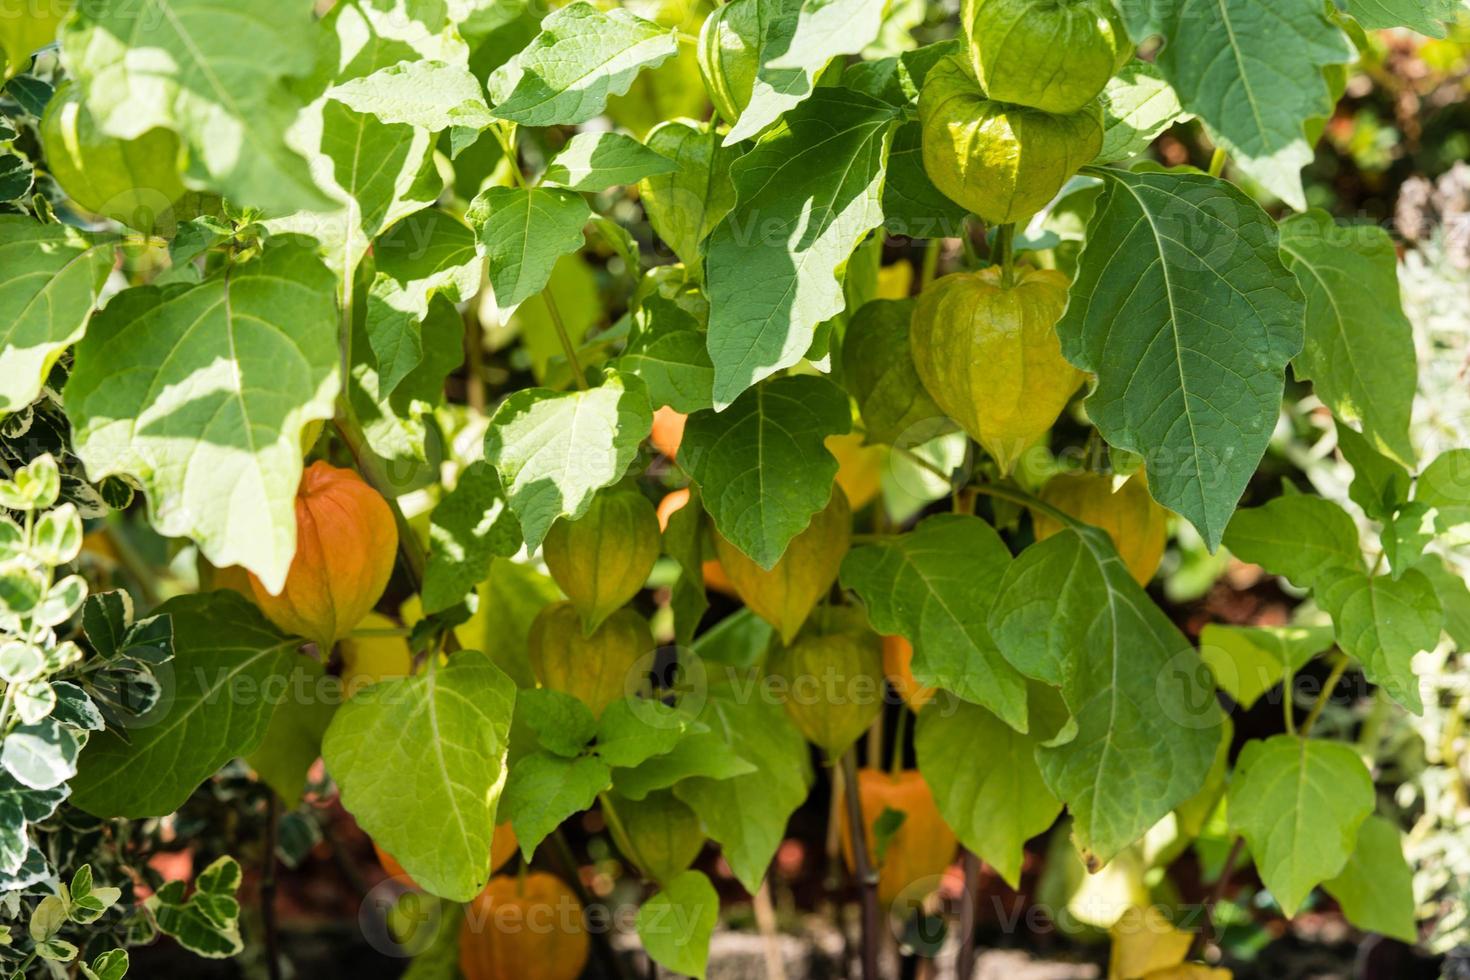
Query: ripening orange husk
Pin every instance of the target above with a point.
(668, 431)
(503, 845)
(345, 545)
(922, 847)
(898, 656)
(527, 928)
(1138, 526)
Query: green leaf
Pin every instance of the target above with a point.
(820, 173)
(1253, 72)
(201, 393)
(41, 755)
(1379, 484)
(597, 161)
(762, 466)
(522, 232)
(1454, 597)
(1182, 308)
(1299, 803)
(553, 450)
(747, 814)
(1376, 888)
(1248, 661)
(471, 526)
(879, 372)
(428, 254)
(177, 64)
(1359, 350)
(687, 203)
(421, 761)
(826, 29)
(544, 789)
(994, 800)
(429, 94)
(1445, 485)
(758, 32)
(1406, 535)
(207, 923)
(1299, 536)
(1145, 723)
(1138, 104)
(218, 705)
(51, 278)
(668, 353)
(563, 725)
(675, 925)
(26, 29)
(293, 740)
(21, 806)
(1425, 16)
(704, 755)
(582, 56)
(933, 586)
(632, 731)
(1383, 622)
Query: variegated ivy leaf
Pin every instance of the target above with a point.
(206, 922)
(201, 393)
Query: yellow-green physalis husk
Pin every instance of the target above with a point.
(1053, 55)
(729, 55)
(596, 670)
(785, 595)
(990, 356)
(602, 559)
(1003, 162)
(832, 685)
(135, 182)
(660, 834)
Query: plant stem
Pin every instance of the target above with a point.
(867, 877)
(409, 548)
(1018, 496)
(1005, 239)
(268, 889)
(1207, 933)
(1338, 669)
(965, 960)
(765, 922)
(1288, 701)
(895, 752)
(923, 463)
(1217, 162)
(930, 264)
(562, 852)
(474, 363)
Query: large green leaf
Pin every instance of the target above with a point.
(545, 789)
(1384, 622)
(933, 586)
(1299, 803)
(1183, 310)
(25, 29)
(994, 799)
(216, 704)
(1248, 661)
(421, 763)
(1144, 726)
(1298, 536)
(806, 195)
(178, 64)
(761, 464)
(1425, 16)
(432, 95)
(687, 204)
(1376, 888)
(1253, 72)
(1359, 350)
(522, 232)
(582, 56)
(471, 527)
(555, 450)
(757, 33)
(201, 393)
(675, 925)
(747, 814)
(50, 277)
(597, 161)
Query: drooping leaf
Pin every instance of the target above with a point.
(421, 762)
(553, 450)
(747, 814)
(429, 94)
(1383, 622)
(545, 789)
(51, 278)
(1298, 536)
(1253, 72)
(686, 204)
(675, 925)
(201, 393)
(1299, 804)
(216, 706)
(597, 161)
(522, 232)
(633, 730)
(933, 586)
(1138, 105)
(293, 740)
(177, 64)
(821, 171)
(1379, 484)
(471, 526)
(1359, 350)
(1182, 308)
(582, 56)
(762, 466)
(995, 800)
(1144, 725)
(1248, 661)
(698, 755)
(1376, 888)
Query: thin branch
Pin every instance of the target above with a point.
(268, 889)
(866, 875)
(1208, 933)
